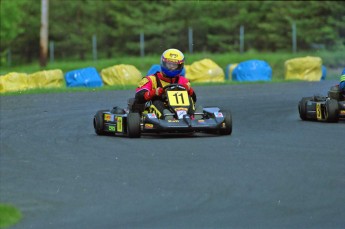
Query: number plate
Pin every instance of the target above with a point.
(178, 98)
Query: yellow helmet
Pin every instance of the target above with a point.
(172, 62)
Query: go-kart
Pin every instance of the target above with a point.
(137, 118)
(329, 108)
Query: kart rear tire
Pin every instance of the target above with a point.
(228, 124)
(302, 107)
(133, 125)
(98, 122)
(332, 110)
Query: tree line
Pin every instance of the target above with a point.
(216, 25)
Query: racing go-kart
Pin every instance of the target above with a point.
(143, 118)
(329, 108)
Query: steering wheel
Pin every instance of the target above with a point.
(173, 86)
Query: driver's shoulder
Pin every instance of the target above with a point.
(183, 80)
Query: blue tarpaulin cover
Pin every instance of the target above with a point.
(324, 72)
(85, 77)
(252, 70)
(157, 68)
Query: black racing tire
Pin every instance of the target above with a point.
(98, 122)
(133, 125)
(332, 110)
(302, 107)
(228, 124)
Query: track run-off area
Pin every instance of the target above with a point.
(274, 171)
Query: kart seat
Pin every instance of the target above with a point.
(117, 110)
(334, 93)
(319, 98)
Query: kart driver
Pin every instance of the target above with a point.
(151, 87)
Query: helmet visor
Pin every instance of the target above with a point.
(171, 66)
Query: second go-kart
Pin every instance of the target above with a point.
(329, 108)
(138, 119)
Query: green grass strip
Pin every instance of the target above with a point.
(9, 215)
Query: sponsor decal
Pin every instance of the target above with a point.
(151, 115)
(318, 111)
(181, 112)
(111, 128)
(173, 121)
(148, 126)
(108, 117)
(201, 121)
(119, 124)
(218, 114)
(181, 109)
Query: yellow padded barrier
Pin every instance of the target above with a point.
(304, 68)
(46, 79)
(204, 71)
(121, 75)
(13, 81)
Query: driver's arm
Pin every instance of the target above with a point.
(139, 96)
(146, 95)
(144, 91)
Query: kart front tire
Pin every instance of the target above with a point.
(98, 122)
(302, 107)
(133, 125)
(228, 124)
(332, 110)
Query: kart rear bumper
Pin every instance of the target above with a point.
(311, 109)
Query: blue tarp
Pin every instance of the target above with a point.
(324, 72)
(252, 70)
(157, 68)
(85, 77)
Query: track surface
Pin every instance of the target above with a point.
(274, 171)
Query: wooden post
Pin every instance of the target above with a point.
(44, 33)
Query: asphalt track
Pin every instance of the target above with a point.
(274, 171)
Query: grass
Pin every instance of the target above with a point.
(9, 215)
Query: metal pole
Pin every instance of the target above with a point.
(51, 51)
(94, 47)
(294, 40)
(241, 39)
(190, 39)
(142, 44)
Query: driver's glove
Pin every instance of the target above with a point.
(152, 93)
